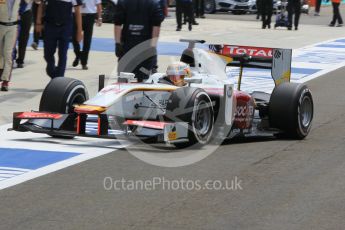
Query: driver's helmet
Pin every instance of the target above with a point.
(177, 71)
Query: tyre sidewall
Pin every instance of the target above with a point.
(285, 105)
(301, 129)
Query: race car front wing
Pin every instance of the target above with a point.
(70, 125)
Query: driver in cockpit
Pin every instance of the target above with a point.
(176, 74)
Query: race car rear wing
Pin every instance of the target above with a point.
(278, 60)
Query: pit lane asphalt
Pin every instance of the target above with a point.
(286, 184)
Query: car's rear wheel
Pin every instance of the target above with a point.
(60, 96)
(210, 6)
(194, 106)
(291, 109)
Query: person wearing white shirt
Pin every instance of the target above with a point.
(91, 12)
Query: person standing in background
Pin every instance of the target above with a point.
(25, 22)
(293, 8)
(8, 35)
(199, 8)
(137, 25)
(36, 36)
(58, 27)
(258, 8)
(184, 7)
(266, 13)
(336, 14)
(317, 7)
(91, 11)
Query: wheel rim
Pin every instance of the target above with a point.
(203, 119)
(306, 112)
(209, 6)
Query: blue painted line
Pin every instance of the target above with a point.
(7, 173)
(304, 71)
(12, 170)
(340, 40)
(320, 57)
(108, 45)
(331, 46)
(31, 159)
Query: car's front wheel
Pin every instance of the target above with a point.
(194, 106)
(61, 95)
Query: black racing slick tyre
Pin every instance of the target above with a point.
(60, 96)
(291, 109)
(210, 6)
(194, 106)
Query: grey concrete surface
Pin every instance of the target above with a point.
(286, 184)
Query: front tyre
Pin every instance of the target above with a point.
(60, 96)
(291, 109)
(194, 107)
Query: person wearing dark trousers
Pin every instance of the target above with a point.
(36, 36)
(336, 14)
(58, 29)
(317, 7)
(91, 12)
(25, 22)
(199, 8)
(137, 29)
(258, 9)
(184, 7)
(294, 9)
(186, 17)
(185, 20)
(266, 13)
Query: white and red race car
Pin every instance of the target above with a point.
(207, 108)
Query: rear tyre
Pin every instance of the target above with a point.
(210, 6)
(194, 106)
(60, 96)
(291, 109)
